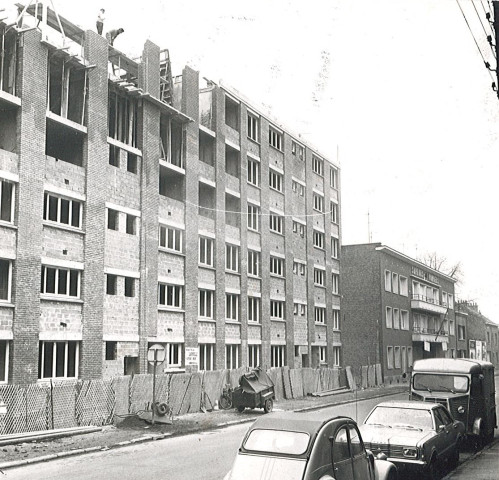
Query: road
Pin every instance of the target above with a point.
(202, 456)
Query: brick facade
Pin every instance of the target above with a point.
(391, 324)
(83, 246)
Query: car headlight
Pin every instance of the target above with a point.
(410, 452)
(460, 409)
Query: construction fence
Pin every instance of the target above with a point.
(71, 403)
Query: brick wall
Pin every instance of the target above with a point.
(52, 313)
(190, 85)
(361, 305)
(31, 143)
(149, 133)
(96, 152)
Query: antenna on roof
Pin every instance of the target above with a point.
(369, 234)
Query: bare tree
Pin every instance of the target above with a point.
(441, 264)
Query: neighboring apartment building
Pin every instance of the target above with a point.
(395, 310)
(137, 209)
(481, 334)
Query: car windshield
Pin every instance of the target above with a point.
(400, 417)
(277, 441)
(434, 382)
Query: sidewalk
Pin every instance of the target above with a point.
(133, 430)
(482, 465)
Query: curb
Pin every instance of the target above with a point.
(469, 459)
(148, 438)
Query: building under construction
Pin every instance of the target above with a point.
(137, 208)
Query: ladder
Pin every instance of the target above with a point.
(165, 77)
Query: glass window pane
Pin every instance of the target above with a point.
(60, 359)
(64, 211)
(75, 215)
(48, 350)
(63, 282)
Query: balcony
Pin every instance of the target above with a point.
(421, 333)
(427, 304)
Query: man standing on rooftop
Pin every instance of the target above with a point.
(100, 21)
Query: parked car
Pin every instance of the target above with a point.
(295, 446)
(417, 435)
(465, 386)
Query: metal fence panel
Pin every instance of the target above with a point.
(63, 408)
(94, 402)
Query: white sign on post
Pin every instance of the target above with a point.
(191, 356)
(156, 354)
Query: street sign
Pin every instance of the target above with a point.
(156, 354)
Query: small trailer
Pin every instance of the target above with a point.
(256, 390)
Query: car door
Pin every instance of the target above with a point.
(342, 460)
(442, 440)
(451, 428)
(360, 462)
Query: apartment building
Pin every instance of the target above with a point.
(138, 208)
(395, 310)
(480, 336)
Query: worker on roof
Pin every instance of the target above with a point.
(112, 34)
(100, 21)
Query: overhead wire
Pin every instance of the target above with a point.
(484, 31)
(487, 64)
(487, 12)
(262, 214)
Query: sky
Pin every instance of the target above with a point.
(395, 91)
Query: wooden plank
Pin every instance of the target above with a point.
(296, 382)
(364, 376)
(379, 375)
(371, 376)
(350, 379)
(286, 383)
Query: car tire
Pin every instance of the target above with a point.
(432, 472)
(454, 458)
(240, 409)
(225, 402)
(392, 475)
(268, 406)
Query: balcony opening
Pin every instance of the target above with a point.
(64, 143)
(67, 88)
(8, 129)
(231, 113)
(171, 184)
(206, 149)
(206, 106)
(132, 162)
(207, 201)
(114, 156)
(172, 140)
(232, 162)
(232, 211)
(8, 61)
(122, 118)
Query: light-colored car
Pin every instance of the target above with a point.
(414, 434)
(295, 446)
